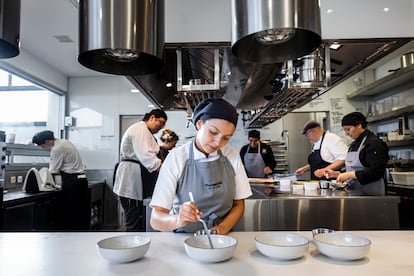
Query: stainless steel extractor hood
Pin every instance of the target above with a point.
(9, 28)
(121, 37)
(273, 31)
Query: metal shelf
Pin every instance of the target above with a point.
(392, 114)
(400, 143)
(403, 76)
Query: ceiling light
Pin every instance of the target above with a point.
(335, 46)
(386, 9)
(134, 91)
(169, 84)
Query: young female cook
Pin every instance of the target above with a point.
(207, 167)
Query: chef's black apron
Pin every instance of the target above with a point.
(316, 162)
(135, 215)
(76, 209)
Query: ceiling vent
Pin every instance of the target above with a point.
(9, 28)
(121, 37)
(274, 31)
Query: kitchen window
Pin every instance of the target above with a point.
(26, 108)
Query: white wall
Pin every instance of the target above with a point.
(208, 21)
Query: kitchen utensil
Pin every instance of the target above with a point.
(124, 248)
(318, 231)
(198, 248)
(282, 245)
(202, 222)
(324, 184)
(342, 246)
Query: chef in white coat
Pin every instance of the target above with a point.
(137, 172)
(66, 161)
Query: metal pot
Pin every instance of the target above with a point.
(407, 59)
(312, 70)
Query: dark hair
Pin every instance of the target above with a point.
(41, 137)
(254, 134)
(158, 113)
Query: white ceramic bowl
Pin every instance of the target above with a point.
(342, 246)
(282, 245)
(198, 248)
(125, 248)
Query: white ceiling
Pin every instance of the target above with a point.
(41, 21)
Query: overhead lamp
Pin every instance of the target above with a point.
(121, 37)
(274, 31)
(9, 28)
(335, 46)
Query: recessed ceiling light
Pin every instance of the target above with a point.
(169, 84)
(386, 9)
(335, 46)
(151, 105)
(134, 91)
(328, 11)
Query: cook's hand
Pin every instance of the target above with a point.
(329, 173)
(301, 170)
(345, 176)
(219, 230)
(320, 173)
(188, 213)
(267, 170)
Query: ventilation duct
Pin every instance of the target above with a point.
(121, 37)
(9, 28)
(274, 31)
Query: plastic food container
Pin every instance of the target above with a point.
(403, 178)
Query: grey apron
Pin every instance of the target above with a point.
(213, 186)
(353, 163)
(254, 163)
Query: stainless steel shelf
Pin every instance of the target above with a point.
(401, 143)
(402, 77)
(392, 114)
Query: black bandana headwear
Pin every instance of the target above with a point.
(254, 134)
(353, 119)
(41, 137)
(213, 108)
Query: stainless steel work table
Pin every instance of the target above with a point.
(75, 254)
(277, 208)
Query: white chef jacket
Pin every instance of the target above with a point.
(137, 143)
(333, 147)
(164, 192)
(65, 157)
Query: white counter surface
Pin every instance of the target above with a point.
(392, 253)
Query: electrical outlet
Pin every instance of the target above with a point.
(20, 179)
(13, 180)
